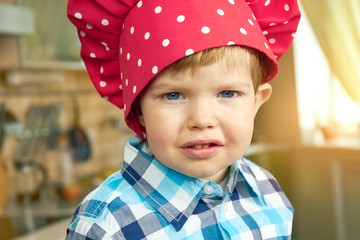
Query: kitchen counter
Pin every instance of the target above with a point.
(336, 145)
(56, 230)
(41, 208)
(29, 217)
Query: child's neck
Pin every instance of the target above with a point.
(220, 176)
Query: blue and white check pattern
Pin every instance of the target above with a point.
(147, 200)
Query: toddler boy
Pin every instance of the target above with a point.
(190, 76)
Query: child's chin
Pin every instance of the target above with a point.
(210, 174)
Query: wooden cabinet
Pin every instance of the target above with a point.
(9, 43)
(9, 52)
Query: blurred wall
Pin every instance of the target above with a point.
(277, 120)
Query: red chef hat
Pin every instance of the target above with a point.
(125, 43)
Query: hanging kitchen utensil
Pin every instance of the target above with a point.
(2, 124)
(79, 141)
(53, 126)
(8, 124)
(4, 184)
(26, 136)
(30, 175)
(30, 178)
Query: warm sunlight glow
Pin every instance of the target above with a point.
(322, 101)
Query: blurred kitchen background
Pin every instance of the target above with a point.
(59, 139)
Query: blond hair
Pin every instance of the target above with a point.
(236, 57)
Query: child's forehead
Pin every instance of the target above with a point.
(219, 72)
(226, 59)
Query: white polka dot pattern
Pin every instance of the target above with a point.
(220, 12)
(205, 30)
(189, 52)
(105, 22)
(123, 52)
(158, 9)
(286, 7)
(180, 18)
(166, 42)
(102, 84)
(78, 15)
(155, 70)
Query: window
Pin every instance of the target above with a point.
(326, 112)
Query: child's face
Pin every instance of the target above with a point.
(200, 124)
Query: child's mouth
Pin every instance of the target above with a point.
(201, 150)
(198, 146)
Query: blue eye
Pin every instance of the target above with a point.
(173, 96)
(228, 94)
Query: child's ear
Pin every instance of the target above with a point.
(262, 94)
(141, 120)
(137, 113)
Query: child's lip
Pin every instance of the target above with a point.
(200, 149)
(194, 143)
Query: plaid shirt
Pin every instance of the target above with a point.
(147, 200)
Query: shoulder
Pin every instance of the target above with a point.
(258, 171)
(113, 194)
(104, 209)
(264, 183)
(253, 171)
(271, 202)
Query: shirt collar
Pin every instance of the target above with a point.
(173, 194)
(243, 169)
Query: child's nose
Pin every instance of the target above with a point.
(201, 115)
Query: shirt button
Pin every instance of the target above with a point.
(208, 189)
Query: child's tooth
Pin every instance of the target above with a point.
(198, 146)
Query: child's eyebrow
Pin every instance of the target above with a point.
(158, 84)
(160, 87)
(235, 85)
(164, 85)
(176, 83)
